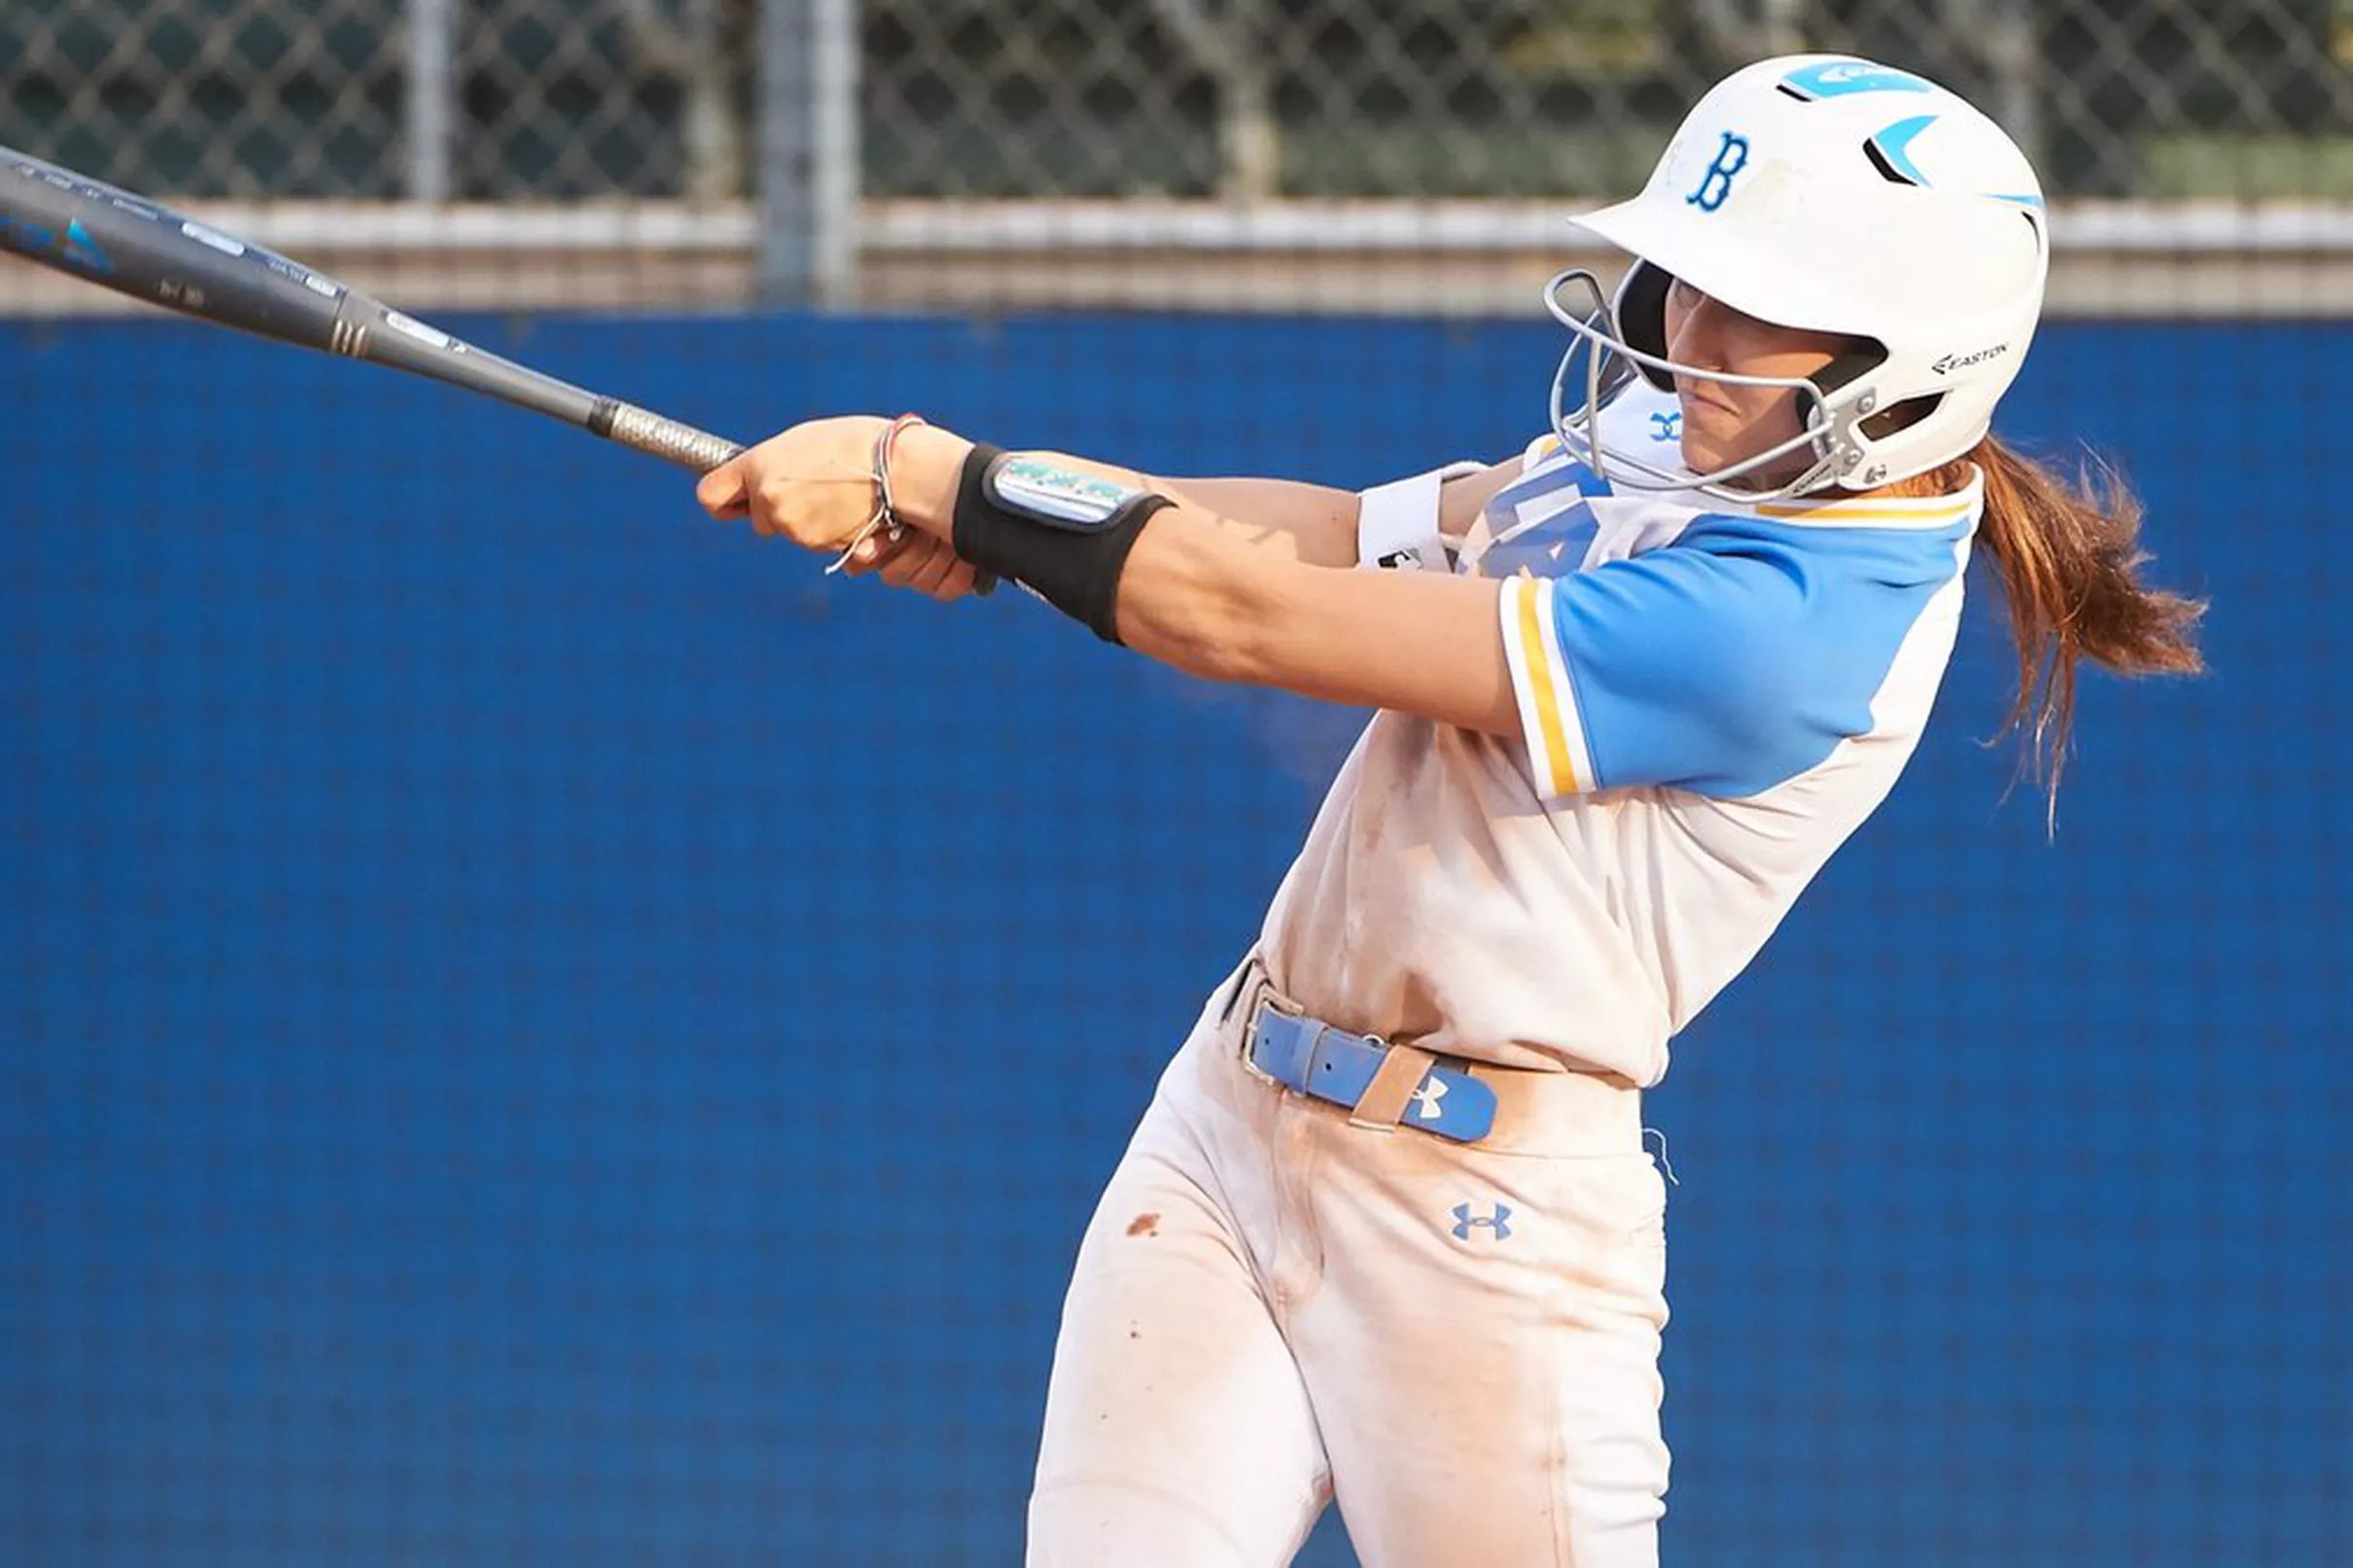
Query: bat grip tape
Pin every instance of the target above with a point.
(666, 439)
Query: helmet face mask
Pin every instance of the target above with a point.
(1827, 195)
(1832, 411)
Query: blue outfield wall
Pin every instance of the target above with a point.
(539, 1030)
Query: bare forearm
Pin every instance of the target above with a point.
(1199, 594)
(1310, 523)
(1194, 598)
(1313, 524)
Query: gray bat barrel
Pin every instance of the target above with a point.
(147, 251)
(118, 241)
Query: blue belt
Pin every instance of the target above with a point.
(1314, 1059)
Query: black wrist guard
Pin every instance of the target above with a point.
(1061, 532)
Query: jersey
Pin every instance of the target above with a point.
(1713, 697)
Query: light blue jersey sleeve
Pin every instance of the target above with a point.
(1727, 662)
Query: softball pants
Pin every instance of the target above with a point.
(1275, 1309)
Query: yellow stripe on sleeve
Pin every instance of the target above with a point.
(1864, 512)
(1553, 733)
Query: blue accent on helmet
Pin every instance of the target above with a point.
(1836, 79)
(1894, 144)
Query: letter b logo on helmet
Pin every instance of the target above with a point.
(1732, 156)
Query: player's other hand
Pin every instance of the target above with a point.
(919, 562)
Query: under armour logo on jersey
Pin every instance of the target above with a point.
(1666, 427)
(1467, 1222)
(1425, 1100)
(1716, 183)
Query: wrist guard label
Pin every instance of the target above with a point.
(1034, 486)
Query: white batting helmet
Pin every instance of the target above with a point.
(1834, 194)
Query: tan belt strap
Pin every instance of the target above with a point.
(1393, 1088)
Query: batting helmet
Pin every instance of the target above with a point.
(1834, 194)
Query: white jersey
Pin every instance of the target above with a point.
(1712, 696)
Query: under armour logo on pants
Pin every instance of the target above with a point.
(1467, 1222)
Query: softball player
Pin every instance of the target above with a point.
(1388, 1232)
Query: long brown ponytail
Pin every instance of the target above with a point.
(2069, 557)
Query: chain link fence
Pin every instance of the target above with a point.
(1239, 99)
(550, 99)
